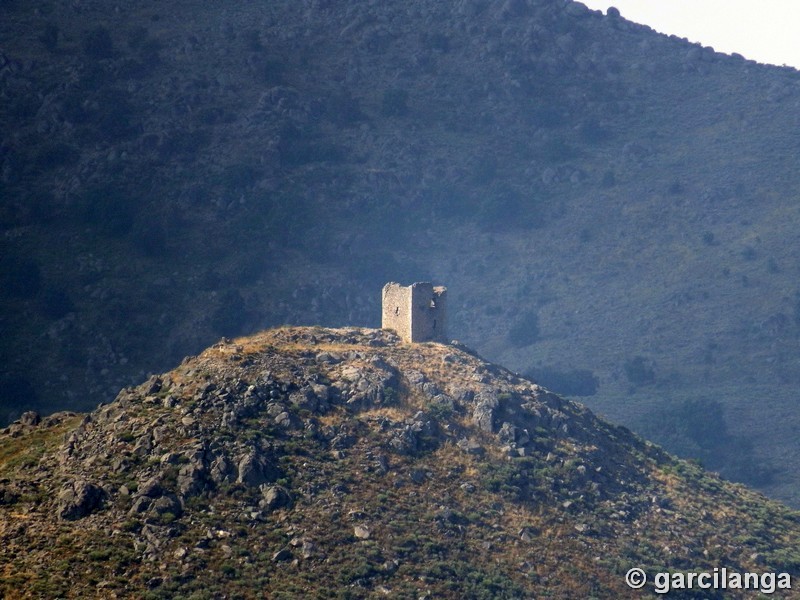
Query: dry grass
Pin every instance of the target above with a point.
(33, 444)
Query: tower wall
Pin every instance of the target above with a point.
(418, 313)
(397, 309)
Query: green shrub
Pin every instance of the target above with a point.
(609, 179)
(56, 303)
(557, 150)
(594, 133)
(97, 43)
(109, 209)
(55, 155)
(640, 371)
(49, 37)
(525, 331)
(20, 277)
(100, 555)
(394, 103)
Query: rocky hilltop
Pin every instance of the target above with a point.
(318, 463)
(612, 209)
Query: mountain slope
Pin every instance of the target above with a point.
(606, 204)
(344, 463)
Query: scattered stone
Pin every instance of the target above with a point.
(418, 476)
(382, 464)
(30, 418)
(470, 446)
(327, 358)
(507, 433)
(7, 495)
(284, 419)
(282, 555)
(153, 385)
(304, 399)
(308, 550)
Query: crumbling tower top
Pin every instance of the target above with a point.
(416, 312)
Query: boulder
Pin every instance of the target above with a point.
(222, 470)
(151, 488)
(78, 499)
(470, 446)
(274, 497)
(191, 479)
(483, 411)
(304, 398)
(282, 555)
(255, 470)
(168, 503)
(30, 418)
(507, 433)
(8, 495)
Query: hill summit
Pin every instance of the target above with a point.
(319, 463)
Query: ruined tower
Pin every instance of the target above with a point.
(416, 312)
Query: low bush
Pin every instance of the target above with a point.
(56, 303)
(640, 371)
(97, 43)
(56, 155)
(20, 277)
(395, 103)
(49, 37)
(576, 382)
(109, 209)
(697, 429)
(525, 330)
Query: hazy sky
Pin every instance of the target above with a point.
(767, 31)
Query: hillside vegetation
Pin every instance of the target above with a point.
(613, 210)
(320, 463)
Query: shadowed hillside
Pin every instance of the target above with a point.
(612, 209)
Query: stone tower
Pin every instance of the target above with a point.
(418, 312)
